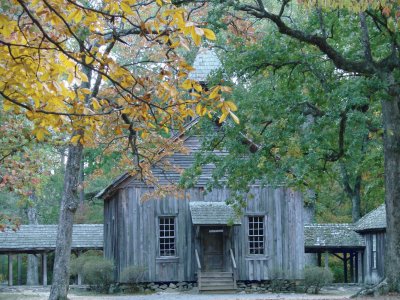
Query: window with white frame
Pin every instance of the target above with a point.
(167, 232)
(374, 251)
(256, 235)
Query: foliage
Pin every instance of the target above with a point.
(303, 122)
(133, 274)
(316, 278)
(97, 271)
(277, 280)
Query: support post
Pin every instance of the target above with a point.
(326, 260)
(44, 269)
(19, 269)
(10, 270)
(356, 266)
(319, 259)
(345, 266)
(78, 253)
(351, 267)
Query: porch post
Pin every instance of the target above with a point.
(78, 253)
(10, 270)
(19, 269)
(351, 267)
(326, 259)
(356, 266)
(44, 268)
(345, 266)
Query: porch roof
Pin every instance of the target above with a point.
(213, 213)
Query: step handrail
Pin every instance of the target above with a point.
(234, 271)
(232, 258)
(199, 283)
(197, 259)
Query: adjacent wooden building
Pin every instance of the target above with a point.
(372, 228)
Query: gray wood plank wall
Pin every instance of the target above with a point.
(131, 233)
(374, 275)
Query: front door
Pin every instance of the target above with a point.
(212, 240)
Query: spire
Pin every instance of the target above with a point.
(206, 62)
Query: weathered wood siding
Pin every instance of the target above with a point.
(131, 233)
(374, 275)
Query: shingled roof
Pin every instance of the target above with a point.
(330, 236)
(374, 220)
(36, 238)
(212, 213)
(205, 63)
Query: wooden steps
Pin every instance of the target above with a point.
(216, 282)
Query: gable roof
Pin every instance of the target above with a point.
(34, 238)
(374, 220)
(332, 236)
(205, 63)
(180, 160)
(213, 213)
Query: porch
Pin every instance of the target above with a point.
(214, 243)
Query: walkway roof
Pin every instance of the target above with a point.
(329, 237)
(42, 238)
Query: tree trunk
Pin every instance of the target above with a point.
(356, 206)
(354, 193)
(32, 269)
(69, 204)
(391, 123)
(81, 179)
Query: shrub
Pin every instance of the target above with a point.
(277, 281)
(96, 271)
(316, 278)
(133, 274)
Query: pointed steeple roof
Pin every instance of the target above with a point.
(205, 63)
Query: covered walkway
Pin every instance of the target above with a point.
(339, 240)
(41, 240)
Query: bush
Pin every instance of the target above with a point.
(133, 274)
(277, 281)
(316, 278)
(96, 271)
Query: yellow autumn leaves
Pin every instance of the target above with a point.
(42, 64)
(213, 99)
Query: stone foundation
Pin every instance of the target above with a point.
(266, 286)
(152, 287)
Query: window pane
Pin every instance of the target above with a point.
(256, 235)
(167, 236)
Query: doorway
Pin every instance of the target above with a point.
(212, 244)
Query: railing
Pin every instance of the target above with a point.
(234, 267)
(197, 259)
(198, 268)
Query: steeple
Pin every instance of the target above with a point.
(205, 63)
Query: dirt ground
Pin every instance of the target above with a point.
(329, 293)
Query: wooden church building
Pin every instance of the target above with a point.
(200, 238)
